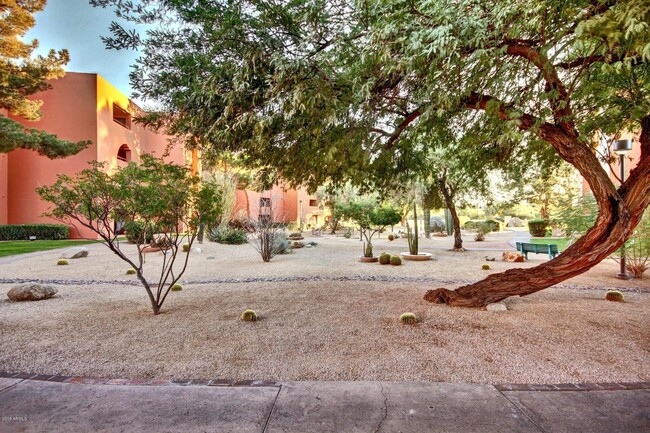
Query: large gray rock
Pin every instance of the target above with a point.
(31, 292)
(515, 222)
(75, 253)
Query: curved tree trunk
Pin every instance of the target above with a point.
(619, 211)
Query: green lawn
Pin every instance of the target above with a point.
(561, 243)
(11, 248)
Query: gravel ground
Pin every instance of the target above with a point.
(321, 320)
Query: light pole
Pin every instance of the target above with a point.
(621, 148)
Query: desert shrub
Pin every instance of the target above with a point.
(281, 245)
(348, 234)
(248, 316)
(538, 227)
(384, 259)
(130, 271)
(395, 260)
(493, 224)
(136, 232)
(176, 288)
(391, 237)
(614, 295)
(408, 319)
(228, 235)
(18, 232)
(62, 262)
(486, 267)
(438, 224)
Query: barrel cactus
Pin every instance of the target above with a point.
(248, 316)
(485, 267)
(395, 260)
(408, 319)
(130, 271)
(176, 288)
(384, 259)
(186, 248)
(62, 262)
(614, 295)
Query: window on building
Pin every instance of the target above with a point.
(121, 116)
(124, 153)
(313, 203)
(265, 201)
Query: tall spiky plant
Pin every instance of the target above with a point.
(413, 235)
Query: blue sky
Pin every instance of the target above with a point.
(77, 26)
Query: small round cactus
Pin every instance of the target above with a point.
(486, 267)
(62, 262)
(384, 259)
(614, 295)
(248, 316)
(395, 260)
(130, 271)
(408, 319)
(176, 288)
(186, 248)
(391, 237)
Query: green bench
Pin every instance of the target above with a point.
(525, 248)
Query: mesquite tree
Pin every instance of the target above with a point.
(160, 196)
(327, 91)
(370, 217)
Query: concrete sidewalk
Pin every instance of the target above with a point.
(48, 406)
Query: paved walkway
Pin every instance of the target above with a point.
(51, 406)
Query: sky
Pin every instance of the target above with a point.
(77, 26)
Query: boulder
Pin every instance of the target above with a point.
(196, 250)
(515, 222)
(31, 292)
(75, 253)
(496, 306)
(511, 256)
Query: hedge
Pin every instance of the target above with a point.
(537, 227)
(18, 232)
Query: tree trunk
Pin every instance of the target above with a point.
(458, 240)
(448, 195)
(619, 211)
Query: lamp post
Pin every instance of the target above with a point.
(621, 148)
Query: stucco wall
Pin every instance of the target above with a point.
(69, 112)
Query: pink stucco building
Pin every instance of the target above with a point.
(78, 107)
(83, 106)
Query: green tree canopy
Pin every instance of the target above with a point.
(326, 90)
(22, 75)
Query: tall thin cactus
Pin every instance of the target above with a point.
(413, 235)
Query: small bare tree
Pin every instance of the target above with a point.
(158, 196)
(267, 232)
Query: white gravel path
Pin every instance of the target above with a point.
(321, 330)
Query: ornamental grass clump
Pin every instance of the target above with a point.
(614, 295)
(176, 288)
(408, 319)
(130, 271)
(248, 316)
(384, 259)
(62, 262)
(395, 260)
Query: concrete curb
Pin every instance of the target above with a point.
(602, 386)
